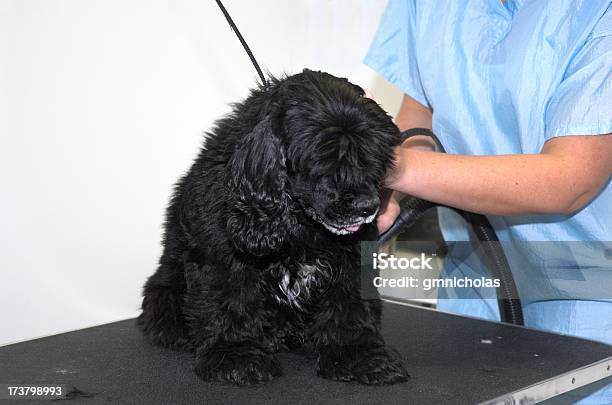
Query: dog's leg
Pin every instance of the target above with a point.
(288, 330)
(346, 335)
(231, 322)
(161, 320)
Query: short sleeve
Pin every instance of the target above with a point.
(581, 104)
(392, 53)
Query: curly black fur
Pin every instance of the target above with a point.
(261, 244)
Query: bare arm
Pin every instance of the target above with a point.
(561, 179)
(413, 114)
(567, 173)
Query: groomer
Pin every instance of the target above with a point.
(520, 94)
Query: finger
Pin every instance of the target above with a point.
(387, 219)
(384, 223)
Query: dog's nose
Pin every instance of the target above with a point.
(365, 207)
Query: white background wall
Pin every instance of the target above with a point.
(102, 106)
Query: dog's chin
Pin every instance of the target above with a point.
(344, 229)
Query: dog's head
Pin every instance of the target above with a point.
(320, 148)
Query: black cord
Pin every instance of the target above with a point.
(409, 133)
(243, 42)
(508, 299)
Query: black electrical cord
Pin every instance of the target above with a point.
(243, 42)
(510, 307)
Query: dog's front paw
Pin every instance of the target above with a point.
(379, 367)
(239, 365)
(372, 366)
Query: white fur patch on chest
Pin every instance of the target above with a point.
(297, 289)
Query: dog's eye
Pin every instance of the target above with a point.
(332, 195)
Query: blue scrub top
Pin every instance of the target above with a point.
(503, 78)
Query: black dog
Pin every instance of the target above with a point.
(261, 244)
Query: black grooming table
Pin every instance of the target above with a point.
(452, 359)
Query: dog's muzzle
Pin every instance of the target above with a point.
(347, 228)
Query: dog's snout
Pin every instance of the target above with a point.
(365, 206)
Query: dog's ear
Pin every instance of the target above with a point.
(258, 218)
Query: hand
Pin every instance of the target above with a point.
(389, 209)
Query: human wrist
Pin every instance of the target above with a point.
(397, 171)
(403, 177)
